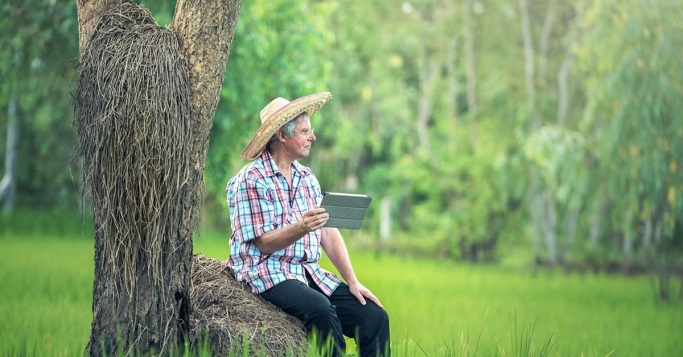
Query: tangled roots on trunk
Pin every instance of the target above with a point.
(132, 114)
(132, 125)
(226, 314)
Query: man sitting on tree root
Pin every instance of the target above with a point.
(278, 233)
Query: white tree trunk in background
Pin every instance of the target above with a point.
(8, 184)
(385, 219)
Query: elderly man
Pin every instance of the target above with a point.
(278, 232)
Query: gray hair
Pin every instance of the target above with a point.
(287, 129)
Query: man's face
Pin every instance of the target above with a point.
(299, 145)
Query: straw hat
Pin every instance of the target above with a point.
(276, 114)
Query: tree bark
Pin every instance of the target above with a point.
(205, 30)
(149, 318)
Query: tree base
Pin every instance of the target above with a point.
(228, 318)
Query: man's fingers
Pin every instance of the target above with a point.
(320, 218)
(366, 293)
(374, 299)
(315, 211)
(315, 219)
(360, 298)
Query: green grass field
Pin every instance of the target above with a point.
(436, 308)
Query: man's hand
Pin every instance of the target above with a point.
(314, 219)
(361, 292)
(278, 239)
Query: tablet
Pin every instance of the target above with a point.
(346, 210)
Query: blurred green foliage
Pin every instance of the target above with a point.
(40, 53)
(569, 147)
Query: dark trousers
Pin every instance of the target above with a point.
(335, 317)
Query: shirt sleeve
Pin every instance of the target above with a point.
(254, 208)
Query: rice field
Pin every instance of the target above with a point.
(436, 308)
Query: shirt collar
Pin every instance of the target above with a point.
(271, 168)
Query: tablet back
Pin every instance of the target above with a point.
(346, 210)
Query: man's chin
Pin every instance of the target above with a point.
(303, 153)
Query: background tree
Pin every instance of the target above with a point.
(36, 69)
(532, 131)
(553, 197)
(145, 103)
(633, 85)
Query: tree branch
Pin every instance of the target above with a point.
(205, 30)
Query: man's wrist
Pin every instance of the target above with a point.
(352, 280)
(302, 228)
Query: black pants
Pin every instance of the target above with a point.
(340, 314)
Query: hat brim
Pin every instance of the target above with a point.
(309, 104)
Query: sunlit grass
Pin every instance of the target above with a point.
(46, 286)
(436, 308)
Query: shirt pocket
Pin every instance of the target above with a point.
(310, 197)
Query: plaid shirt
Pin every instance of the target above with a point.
(260, 200)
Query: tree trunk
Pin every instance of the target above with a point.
(529, 64)
(470, 62)
(571, 224)
(536, 210)
(647, 236)
(562, 89)
(627, 246)
(550, 227)
(8, 184)
(428, 74)
(469, 27)
(385, 219)
(452, 93)
(535, 191)
(594, 231)
(148, 310)
(546, 31)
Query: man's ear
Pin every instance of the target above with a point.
(281, 136)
